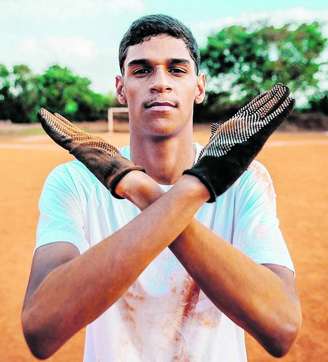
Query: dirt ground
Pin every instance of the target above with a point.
(298, 163)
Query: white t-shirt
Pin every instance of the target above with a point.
(163, 316)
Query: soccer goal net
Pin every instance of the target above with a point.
(118, 119)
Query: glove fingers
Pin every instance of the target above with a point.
(236, 130)
(274, 102)
(241, 126)
(282, 110)
(240, 129)
(97, 143)
(55, 128)
(261, 104)
(279, 110)
(249, 108)
(69, 125)
(100, 157)
(255, 103)
(65, 120)
(263, 99)
(214, 128)
(62, 131)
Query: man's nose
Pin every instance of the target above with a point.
(161, 81)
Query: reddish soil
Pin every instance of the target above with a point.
(298, 164)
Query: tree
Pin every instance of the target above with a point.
(241, 62)
(5, 95)
(18, 94)
(23, 93)
(319, 102)
(65, 92)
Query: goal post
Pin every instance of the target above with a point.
(118, 119)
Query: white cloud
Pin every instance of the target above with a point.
(128, 5)
(61, 9)
(79, 54)
(277, 18)
(58, 48)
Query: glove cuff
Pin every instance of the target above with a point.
(114, 180)
(200, 175)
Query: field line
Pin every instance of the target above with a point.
(24, 146)
(273, 143)
(296, 143)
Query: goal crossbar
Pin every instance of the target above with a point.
(111, 112)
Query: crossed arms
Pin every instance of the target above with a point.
(60, 298)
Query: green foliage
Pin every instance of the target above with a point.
(241, 62)
(18, 94)
(319, 102)
(5, 95)
(70, 94)
(58, 89)
(26, 94)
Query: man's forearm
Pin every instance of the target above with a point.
(250, 294)
(77, 292)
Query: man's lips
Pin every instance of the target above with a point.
(160, 104)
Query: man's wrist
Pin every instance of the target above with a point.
(142, 190)
(139, 188)
(194, 187)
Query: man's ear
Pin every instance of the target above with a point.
(200, 90)
(120, 92)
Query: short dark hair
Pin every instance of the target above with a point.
(152, 25)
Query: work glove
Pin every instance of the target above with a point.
(100, 157)
(235, 143)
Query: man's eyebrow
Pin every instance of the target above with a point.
(139, 62)
(146, 62)
(179, 61)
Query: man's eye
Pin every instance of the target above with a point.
(177, 70)
(141, 71)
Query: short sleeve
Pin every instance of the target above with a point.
(256, 230)
(60, 209)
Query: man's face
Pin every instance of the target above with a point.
(160, 86)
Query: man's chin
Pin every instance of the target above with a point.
(159, 125)
(162, 127)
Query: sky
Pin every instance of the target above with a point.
(84, 35)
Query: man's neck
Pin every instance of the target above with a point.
(164, 159)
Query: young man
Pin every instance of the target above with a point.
(176, 281)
